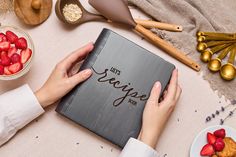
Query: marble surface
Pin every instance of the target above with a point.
(52, 135)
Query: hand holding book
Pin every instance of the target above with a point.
(156, 114)
(60, 82)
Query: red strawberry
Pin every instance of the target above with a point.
(25, 55)
(6, 71)
(207, 150)
(219, 145)
(1, 69)
(4, 46)
(3, 53)
(211, 138)
(2, 37)
(220, 133)
(15, 58)
(14, 68)
(11, 37)
(21, 43)
(5, 60)
(11, 51)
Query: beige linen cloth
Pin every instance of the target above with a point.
(194, 15)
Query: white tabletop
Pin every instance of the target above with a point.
(52, 135)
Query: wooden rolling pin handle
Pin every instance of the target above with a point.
(171, 50)
(159, 25)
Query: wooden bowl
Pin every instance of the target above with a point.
(33, 12)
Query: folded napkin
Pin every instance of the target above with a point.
(194, 15)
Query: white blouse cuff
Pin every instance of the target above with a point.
(136, 148)
(22, 106)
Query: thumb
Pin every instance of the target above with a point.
(80, 77)
(155, 94)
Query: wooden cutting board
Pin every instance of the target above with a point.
(33, 12)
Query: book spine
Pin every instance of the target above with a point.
(88, 63)
(98, 46)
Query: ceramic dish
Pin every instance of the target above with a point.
(201, 139)
(26, 67)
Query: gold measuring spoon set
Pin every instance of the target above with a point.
(210, 43)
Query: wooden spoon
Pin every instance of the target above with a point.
(118, 11)
(87, 16)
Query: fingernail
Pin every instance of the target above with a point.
(90, 44)
(157, 84)
(88, 72)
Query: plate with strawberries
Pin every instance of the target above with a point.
(215, 141)
(16, 52)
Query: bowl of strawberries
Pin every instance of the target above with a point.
(16, 52)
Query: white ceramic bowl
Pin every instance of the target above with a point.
(26, 67)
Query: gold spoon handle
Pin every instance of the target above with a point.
(225, 52)
(215, 34)
(215, 43)
(232, 56)
(207, 38)
(219, 47)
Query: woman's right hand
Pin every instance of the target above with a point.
(156, 114)
(60, 82)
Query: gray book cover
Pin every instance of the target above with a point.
(111, 102)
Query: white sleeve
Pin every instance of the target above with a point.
(136, 148)
(17, 108)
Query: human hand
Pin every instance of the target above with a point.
(156, 114)
(60, 82)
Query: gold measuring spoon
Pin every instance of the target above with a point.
(215, 64)
(217, 37)
(87, 16)
(228, 71)
(215, 34)
(207, 54)
(204, 45)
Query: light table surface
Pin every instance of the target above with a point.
(51, 135)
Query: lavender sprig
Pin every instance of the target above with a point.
(222, 109)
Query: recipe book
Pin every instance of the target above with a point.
(111, 102)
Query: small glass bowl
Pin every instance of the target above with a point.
(26, 67)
